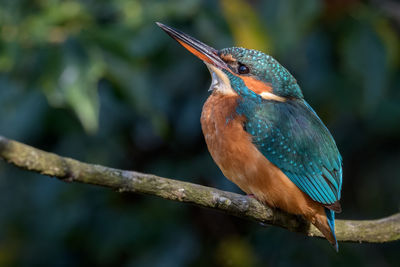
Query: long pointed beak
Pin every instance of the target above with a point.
(199, 49)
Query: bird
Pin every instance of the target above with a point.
(265, 137)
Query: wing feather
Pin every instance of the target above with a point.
(291, 136)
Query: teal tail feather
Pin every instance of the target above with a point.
(330, 215)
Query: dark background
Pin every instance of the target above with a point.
(98, 81)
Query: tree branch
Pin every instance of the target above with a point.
(66, 169)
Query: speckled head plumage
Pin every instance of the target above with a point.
(262, 67)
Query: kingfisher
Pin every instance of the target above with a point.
(265, 137)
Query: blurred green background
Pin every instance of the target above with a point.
(98, 81)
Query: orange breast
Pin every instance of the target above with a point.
(242, 163)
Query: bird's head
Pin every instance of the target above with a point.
(237, 70)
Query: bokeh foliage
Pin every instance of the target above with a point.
(99, 82)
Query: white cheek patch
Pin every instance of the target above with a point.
(271, 96)
(220, 81)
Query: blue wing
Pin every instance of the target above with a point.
(291, 136)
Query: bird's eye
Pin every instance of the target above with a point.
(243, 69)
